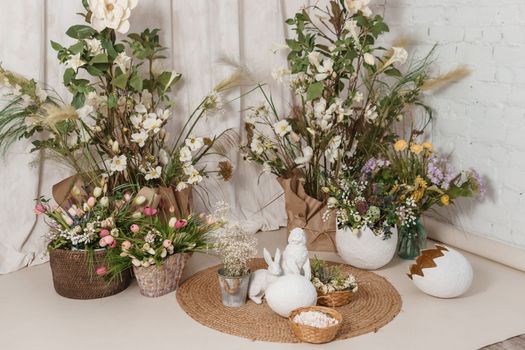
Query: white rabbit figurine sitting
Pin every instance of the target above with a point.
(295, 256)
(262, 278)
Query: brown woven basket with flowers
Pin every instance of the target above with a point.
(75, 276)
(334, 299)
(155, 281)
(315, 335)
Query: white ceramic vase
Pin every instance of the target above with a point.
(365, 250)
(290, 292)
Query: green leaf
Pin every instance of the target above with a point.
(167, 80)
(56, 46)
(94, 71)
(293, 44)
(69, 74)
(78, 100)
(77, 48)
(80, 32)
(112, 101)
(393, 72)
(314, 91)
(109, 48)
(121, 81)
(136, 82)
(102, 58)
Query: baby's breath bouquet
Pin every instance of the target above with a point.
(116, 122)
(235, 247)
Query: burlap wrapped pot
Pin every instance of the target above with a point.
(307, 213)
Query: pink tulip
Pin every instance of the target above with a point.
(181, 223)
(134, 228)
(101, 270)
(68, 220)
(91, 202)
(127, 197)
(107, 241)
(103, 233)
(148, 211)
(167, 243)
(113, 244)
(126, 245)
(39, 209)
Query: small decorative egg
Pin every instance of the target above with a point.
(290, 292)
(442, 272)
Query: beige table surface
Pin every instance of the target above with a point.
(33, 316)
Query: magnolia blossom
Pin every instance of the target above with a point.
(351, 26)
(371, 113)
(164, 157)
(112, 14)
(75, 62)
(185, 155)
(194, 143)
(118, 163)
(325, 69)
(136, 120)
(280, 74)
(164, 114)
(282, 128)
(153, 173)
(195, 177)
(181, 186)
(152, 123)
(354, 6)
(257, 146)
(369, 59)
(139, 138)
(123, 61)
(141, 108)
(399, 55)
(308, 153)
(333, 148)
(94, 46)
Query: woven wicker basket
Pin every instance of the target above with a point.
(312, 334)
(334, 299)
(74, 275)
(155, 281)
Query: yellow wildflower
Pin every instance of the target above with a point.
(419, 190)
(445, 199)
(400, 145)
(427, 145)
(415, 148)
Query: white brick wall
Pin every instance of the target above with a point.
(482, 118)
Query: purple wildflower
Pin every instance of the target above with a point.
(374, 164)
(482, 190)
(441, 172)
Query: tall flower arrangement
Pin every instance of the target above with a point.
(115, 124)
(348, 94)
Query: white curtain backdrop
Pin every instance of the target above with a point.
(198, 33)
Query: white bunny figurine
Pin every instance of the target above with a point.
(261, 279)
(295, 256)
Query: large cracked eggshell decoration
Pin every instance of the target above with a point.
(442, 272)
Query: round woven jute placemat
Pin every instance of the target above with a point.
(375, 304)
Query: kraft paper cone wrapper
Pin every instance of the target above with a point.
(169, 201)
(307, 213)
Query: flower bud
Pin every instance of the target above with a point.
(104, 201)
(172, 222)
(136, 215)
(140, 200)
(103, 233)
(91, 202)
(97, 192)
(134, 228)
(136, 262)
(115, 147)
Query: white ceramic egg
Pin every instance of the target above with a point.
(290, 292)
(442, 272)
(364, 249)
